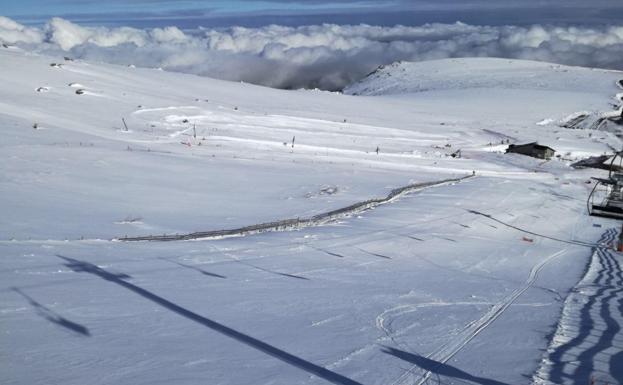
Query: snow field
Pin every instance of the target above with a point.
(459, 283)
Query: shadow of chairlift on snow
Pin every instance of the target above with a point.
(52, 316)
(567, 241)
(372, 253)
(290, 359)
(191, 267)
(204, 272)
(439, 369)
(331, 253)
(243, 262)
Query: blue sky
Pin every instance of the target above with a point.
(214, 7)
(192, 13)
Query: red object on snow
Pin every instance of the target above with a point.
(527, 239)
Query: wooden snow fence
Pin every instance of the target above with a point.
(296, 223)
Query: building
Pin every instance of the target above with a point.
(533, 149)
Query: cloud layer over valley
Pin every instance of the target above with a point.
(323, 56)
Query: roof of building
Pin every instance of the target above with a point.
(533, 145)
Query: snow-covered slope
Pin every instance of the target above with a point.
(464, 74)
(459, 282)
(520, 83)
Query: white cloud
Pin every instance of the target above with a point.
(168, 35)
(68, 35)
(12, 32)
(325, 56)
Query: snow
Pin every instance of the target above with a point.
(459, 283)
(586, 345)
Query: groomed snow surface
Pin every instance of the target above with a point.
(461, 283)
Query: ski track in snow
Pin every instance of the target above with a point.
(417, 375)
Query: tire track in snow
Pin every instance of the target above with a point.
(451, 348)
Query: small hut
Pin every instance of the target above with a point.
(533, 149)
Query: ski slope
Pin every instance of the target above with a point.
(461, 282)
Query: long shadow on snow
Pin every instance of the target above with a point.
(204, 272)
(51, 316)
(326, 252)
(616, 361)
(586, 358)
(571, 242)
(243, 262)
(373, 254)
(439, 368)
(608, 290)
(332, 377)
(616, 365)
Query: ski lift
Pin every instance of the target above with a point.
(606, 198)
